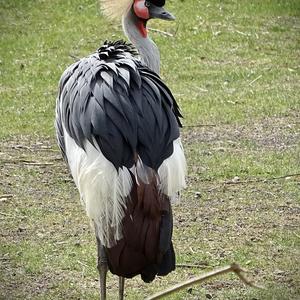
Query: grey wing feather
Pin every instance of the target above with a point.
(112, 100)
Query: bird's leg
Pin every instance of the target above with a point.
(102, 268)
(121, 287)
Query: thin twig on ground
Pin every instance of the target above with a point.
(199, 125)
(74, 57)
(33, 163)
(255, 79)
(235, 268)
(34, 148)
(199, 266)
(297, 235)
(243, 33)
(161, 32)
(21, 147)
(61, 243)
(6, 196)
(81, 263)
(26, 162)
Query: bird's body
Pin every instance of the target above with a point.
(118, 128)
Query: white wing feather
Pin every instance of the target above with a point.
(172, 172)
(104, 190)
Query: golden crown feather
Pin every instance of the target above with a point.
(115, 9)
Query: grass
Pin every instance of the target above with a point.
(234, 68)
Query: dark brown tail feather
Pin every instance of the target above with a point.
(146, 247)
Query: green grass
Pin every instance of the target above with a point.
(234, 68)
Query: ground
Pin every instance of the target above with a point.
(234, 68)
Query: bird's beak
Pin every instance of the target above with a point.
(160, 13)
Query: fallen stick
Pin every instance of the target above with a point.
(6, 196)
(199, 266)
(33, 163)
(26, 162)
(76, 58)
(199, 125)
(260, 76)
(161, 32)
(235, 268)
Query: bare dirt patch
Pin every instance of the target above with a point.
(270, 133)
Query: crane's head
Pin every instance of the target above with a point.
(150, 9)
(143, 9)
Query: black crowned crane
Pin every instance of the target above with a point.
(117, 126)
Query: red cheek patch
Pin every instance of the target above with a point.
(141, 10)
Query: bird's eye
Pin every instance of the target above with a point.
(147, 3)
